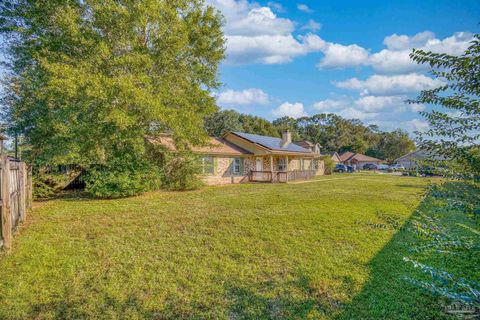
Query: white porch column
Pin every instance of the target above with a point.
(271, 168)
(286, 167)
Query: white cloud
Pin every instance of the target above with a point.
(255, 34)
(304, 8)
(367, 108)
(402, 42)
(352, 113)
(340, 56)
(293, 110)
(417, 107)
(245, 97)
(276, 6)
(270, 49)
(395, 58)
(259, 21)
(378, 103)
(407, 125)
(312, 25)
(331, 105)
(390, 85)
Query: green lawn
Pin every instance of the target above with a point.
(328, 249)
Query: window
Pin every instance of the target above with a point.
(302, 164)
(281, 164)
(236, 165)
(208, 165)
(315, 164)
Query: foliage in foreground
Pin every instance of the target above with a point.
(454, 124)
(444, 242)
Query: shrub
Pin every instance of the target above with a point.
(181, 172)
(47, 185)
(122, 179)
(329, 164)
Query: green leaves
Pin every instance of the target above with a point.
(455, 125)
(90, 79)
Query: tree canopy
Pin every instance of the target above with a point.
(89, 79)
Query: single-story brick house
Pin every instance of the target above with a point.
(358, 160)
(412, 159)
(242, 157)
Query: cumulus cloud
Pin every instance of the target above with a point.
(390, 85)
(411, 125)
(367, 107)
(378, 103)
(331, 105)
(271, 49)
(276, 6)
(293, 110)
(395, 58)
(340, 56)
(304, 8)
(312, 25)
(245, 97)
(255, 34)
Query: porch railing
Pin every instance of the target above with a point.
(261, 176)
(281, 176)
(296, 175)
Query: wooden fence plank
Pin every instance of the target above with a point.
(5, 195)
(29, 187)
(22, 189)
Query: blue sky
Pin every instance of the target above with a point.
(346, 57)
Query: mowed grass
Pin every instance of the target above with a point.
(253, 251)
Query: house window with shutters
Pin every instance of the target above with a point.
(237, 165)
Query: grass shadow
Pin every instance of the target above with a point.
(387, 295)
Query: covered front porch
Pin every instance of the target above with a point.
(282, 169)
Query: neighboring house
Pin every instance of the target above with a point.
(358, 160)
(411, 159)
(240, 157)
(334, 156)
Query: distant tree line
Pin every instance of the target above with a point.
(331, 131)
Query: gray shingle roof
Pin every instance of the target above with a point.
(271, 142)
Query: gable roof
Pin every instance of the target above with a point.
(422, 155)
(305, 144)
(349, 156)
(215, 146)
(271, 143)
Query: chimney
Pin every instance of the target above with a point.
(286, 138)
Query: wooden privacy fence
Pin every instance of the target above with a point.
(15, 197)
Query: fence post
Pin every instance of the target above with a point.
(5, 194)
(22, 177)
(29, 188)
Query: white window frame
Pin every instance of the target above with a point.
(236, 164)
(204, 168)
(282, 164)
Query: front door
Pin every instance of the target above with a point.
(259, 166)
